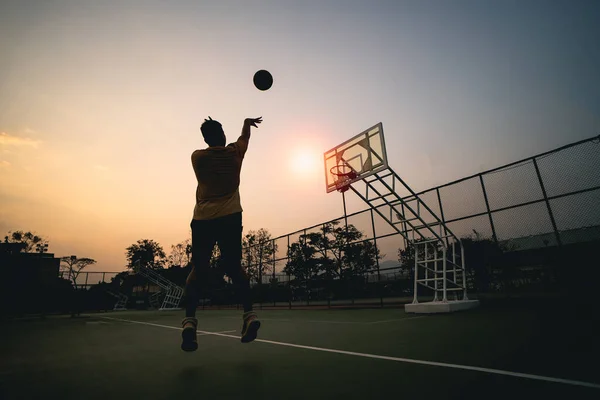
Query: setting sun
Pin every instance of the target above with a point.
(305, 162)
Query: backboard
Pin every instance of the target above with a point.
(364, 154)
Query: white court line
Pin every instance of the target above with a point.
(202, 333)
(397, 359)
(310, 320)
(394, 320)
(324, 321)
(205, 334)
(304, 320)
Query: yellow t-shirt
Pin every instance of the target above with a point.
(217, 171)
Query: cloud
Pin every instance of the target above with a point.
(4, 164)
(10, 140)
(100, 167)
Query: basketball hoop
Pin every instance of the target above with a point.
(344, 175)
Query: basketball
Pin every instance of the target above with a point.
(263, 80)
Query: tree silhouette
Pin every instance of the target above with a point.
(73, 266)
(302, 263)
(258, 250)
(148, 253)
(28, 239)
(181, 254)
(359, 258)
(340, 256)
(332, 253)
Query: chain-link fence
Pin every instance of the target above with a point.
(515, 223)
(512, 220)
(87, 279)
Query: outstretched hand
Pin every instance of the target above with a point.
(253, 121)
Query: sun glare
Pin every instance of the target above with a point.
(305, 162)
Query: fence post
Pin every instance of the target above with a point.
(552, 220)
(289, 283)
(260, 264)
(273, 284)
(325, 254)
(306, 284)
(537, 171)
(487, 207)
(404, 228)
(437, 190)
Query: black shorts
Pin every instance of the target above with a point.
(227, 233)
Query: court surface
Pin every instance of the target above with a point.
(516, 351)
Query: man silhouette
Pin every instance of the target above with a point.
(218, 220)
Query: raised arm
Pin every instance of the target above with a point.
(242, 142)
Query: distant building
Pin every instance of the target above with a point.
(34, 267)
(29, 280)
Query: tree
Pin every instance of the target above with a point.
(258, 251)
(73, 266)
(350, 259)
(148, 253)
(331, 253)
(361, 258)
(301, 260)
(28, 239)
(181, 254)
(485, 262)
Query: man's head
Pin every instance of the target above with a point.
(213, 134)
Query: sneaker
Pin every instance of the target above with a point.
(189, 342)
(250, 327)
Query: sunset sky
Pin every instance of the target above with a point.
(101, 103)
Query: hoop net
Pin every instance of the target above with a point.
(344, 175)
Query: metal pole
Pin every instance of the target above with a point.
(537, 171)
(445, 298)
(289, 284)
(426, 264)
(454, 261)
(376, 258)
(307, 278)
(437, 190)
(325, 254)
(345, 214)
(260, 262)
(273, 278)
(416, 273)
(462, 257)
(487, 207)
(435, 283)
(404, 226)
(346, 223)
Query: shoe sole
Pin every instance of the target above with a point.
(189, 342)
(251, 332)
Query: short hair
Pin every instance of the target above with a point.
(212, 131)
